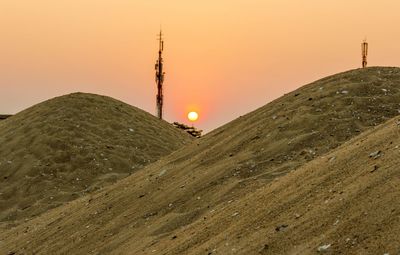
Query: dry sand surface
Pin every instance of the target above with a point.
(68, 146)
(292, 177)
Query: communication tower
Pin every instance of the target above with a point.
(160, 77)
(364, 50)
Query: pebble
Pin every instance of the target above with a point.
(324, 248)
(374, 169)
(162, 172)
(375, 154)
(281, 227)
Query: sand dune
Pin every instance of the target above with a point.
(66, 147)
(291, 177)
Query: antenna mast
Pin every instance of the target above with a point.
(364, 50)
(160, 78)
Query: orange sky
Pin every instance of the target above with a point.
(223, 58)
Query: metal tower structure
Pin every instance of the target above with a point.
(364, 50)
(160, 77)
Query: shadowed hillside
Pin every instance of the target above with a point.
(65, 147)
(210, 196)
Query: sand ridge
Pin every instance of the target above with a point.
(242, 187)
(69, 146)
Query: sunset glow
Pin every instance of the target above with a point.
(193, 116)
(230, 57)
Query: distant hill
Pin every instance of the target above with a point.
(66, 147)
(242, 188)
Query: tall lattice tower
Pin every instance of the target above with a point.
(160, 77)
(364, 50)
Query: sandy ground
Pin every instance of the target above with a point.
(292, 177)
(69, 146)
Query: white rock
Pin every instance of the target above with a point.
(162, 172)
(324, 247)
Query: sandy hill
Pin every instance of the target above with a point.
(63, 148)
(209, 197)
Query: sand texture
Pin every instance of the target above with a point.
(66, 147)
(315, 171)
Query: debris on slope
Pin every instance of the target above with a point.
(191, 130)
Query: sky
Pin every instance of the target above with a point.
(223, 58)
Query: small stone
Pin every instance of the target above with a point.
(324, 248)
(375, 154)
(264, 248)
(374, 169)
(297, 215)
(131, 130)
(281, 227)
(235, 214)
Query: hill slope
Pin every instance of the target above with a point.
(169, 206)
(63, 148)
(346, 202)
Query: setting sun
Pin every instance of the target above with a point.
(193, 116)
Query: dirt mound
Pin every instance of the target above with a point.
(346, 202)
(63, 148)
(210, 196)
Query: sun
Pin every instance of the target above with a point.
(193, 116)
